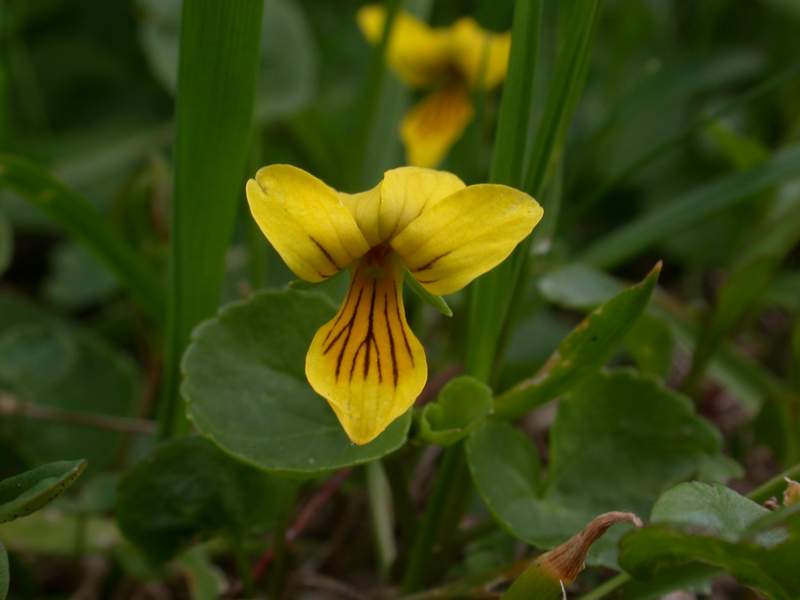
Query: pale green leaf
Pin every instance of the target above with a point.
(246, 389)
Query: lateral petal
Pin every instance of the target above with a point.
(366, 362)
(434, 124)
(419, 54)
(465, 235)
(305, 220)
(482, 56)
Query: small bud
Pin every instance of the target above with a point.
(566, 561)
(548, 575)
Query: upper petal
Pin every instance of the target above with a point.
(407, 191)
(433, 125)
(365, 208)
(398, 199)
(466, 234)
(305, 220)
(482, 56)
(419, 54)
(365, 361)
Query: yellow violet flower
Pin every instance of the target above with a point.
(450, 61)
(366, 361)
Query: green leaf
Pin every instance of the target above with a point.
(4, 575)
(713, 509)
(216, 88)
(651, 345)
(188, 490)
(206, 581)
(6, 243)
(79, 218)
(583, 351)
(246, 389)
(27, 492)
(437, 302)
(715, 526)
(54, 363)
(650, 439)
(691, 208)
(578, 286)
(287, 61)
(78, 280)
(461, 406)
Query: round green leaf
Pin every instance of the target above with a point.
(619, 440)
(698, 526)
(187, 490)
(711, 508)
(460, 407)
(28, 492)
(288, 63)
(245, 388)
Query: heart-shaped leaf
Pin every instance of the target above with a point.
(246, 389)
(698, 525)
(460, 407)
(28, 492)
(618, 441)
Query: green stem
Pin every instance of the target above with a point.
(382, 511)
(607, 587)
(277, 575)
(775, 486)
(242, 566)
(431, 531)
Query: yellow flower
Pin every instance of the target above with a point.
(366, 362)
(450, 61)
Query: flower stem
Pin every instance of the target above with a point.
(603, 590)
(440, 518)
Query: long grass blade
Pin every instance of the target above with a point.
(491, 294)
(216, 86)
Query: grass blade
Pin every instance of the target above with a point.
(690, 209)
(515, 109)
(491, 294)
(216, 87)
(79, 218)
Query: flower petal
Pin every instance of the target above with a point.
(466, 234)
(305, 220)
(482, 56)
(431, 127)
(366, 362)
(365, 208)
(401, 196)
(419, 54)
